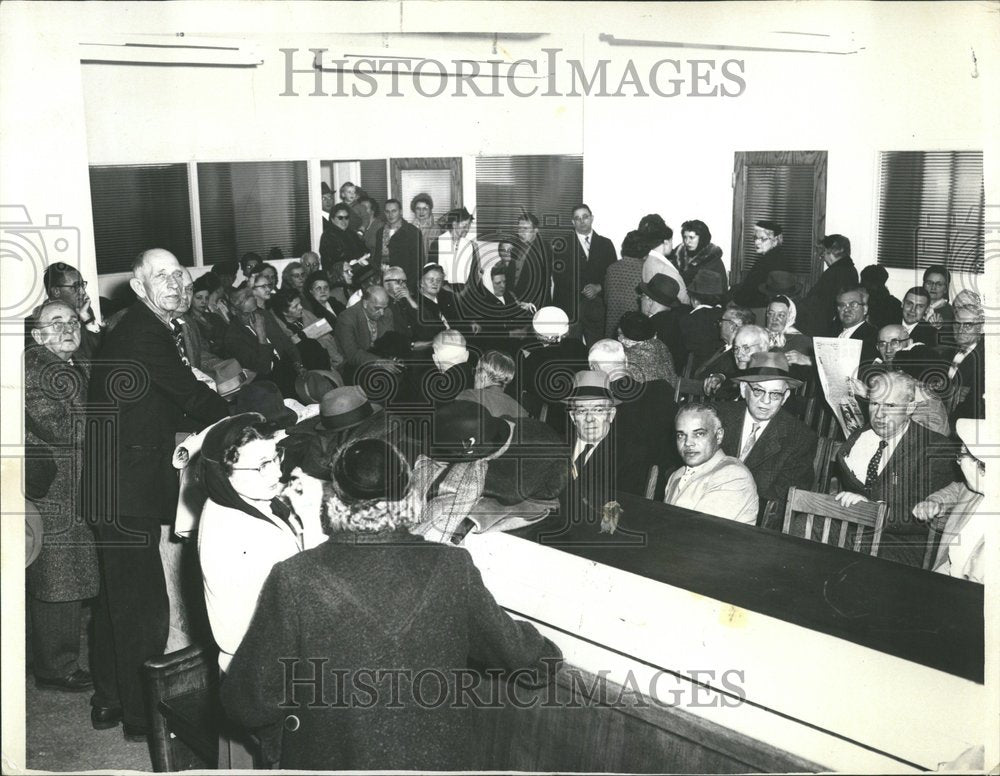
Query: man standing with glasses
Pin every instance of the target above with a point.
(776, 447)
(852, 311)
(142, 394)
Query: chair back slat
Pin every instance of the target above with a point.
(654, 476)
(863, 515)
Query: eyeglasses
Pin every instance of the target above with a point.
(731, 323)
(276, 461)
(960, 326)
(598, 412)
(341, 218)
(893, 343)
(743, 349)
(758, 393)
(849, 305)
(62, 326)
(264, 285)
(80, 285)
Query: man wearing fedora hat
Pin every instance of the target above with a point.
(818, 308)
(776, 447)
(699, 327)
(710, 481)
(658, 300)
(771, 256)
(398, 243)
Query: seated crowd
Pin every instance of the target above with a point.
(399, 390)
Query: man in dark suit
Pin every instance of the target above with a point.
(360, 326)
(817, 311)
(896, 461)
(699, 328)
(326, 204)
(967, 370)
(852, 308)
(915, 304)
(398, 243)
(130, 487)
(580, 283)
(775, 446)
(767, 239)
(530, 278)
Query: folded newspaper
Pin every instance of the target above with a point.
(317, 328)
(837, 361)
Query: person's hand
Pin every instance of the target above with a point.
(476, 328)
(390, 365)
(933, 317)
(528, 307)
(713, 383)
(86, 311)
(364, 259)
(926, 510)
(305, 494)
(856, 387)
(591, 290)
(795, 357)
(847, 499)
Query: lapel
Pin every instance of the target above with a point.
(769, 443)
(731, 444)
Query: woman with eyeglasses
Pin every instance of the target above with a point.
(255, 338)
(318, 299)
(339, 242)
(341, 285)
(246, 527)
(64, 283)
(66, 571)
(784, 337)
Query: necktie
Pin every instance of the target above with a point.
(749, 443)
(178, 332)
(872, 473)
(586, 244)
(581, 459)
(956, 362)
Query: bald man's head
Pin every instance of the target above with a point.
(892, 339)
(159, 279)
(375, 300)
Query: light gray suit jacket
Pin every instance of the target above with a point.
(722, 486)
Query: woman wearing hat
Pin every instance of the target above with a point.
(244, 528)
(386, 610)
(647, 356)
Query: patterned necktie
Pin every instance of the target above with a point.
(586, 244)
(872, 473)
(750, 441)
(178, 332)
(581, 460)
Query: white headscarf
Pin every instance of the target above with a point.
(778, 338)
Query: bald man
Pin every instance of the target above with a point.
(361, 325)
(895, 460)
(147, 393)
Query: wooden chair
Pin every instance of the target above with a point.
(688, 389)
(688, 366)
(182, 702)
(826, 454)
(652, 480)
(864, 515)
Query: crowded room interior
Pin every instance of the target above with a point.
(621, 406)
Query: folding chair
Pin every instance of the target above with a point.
(865, 515)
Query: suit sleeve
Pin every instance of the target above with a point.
(348, 342)
(249, 352)
(498, 641)
(797, 468)
(167, 372)
(733, 495)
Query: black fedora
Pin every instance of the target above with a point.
(339, 410)
(660, 288)
(370, 470)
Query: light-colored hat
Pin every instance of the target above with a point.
(550, 322)
(591, 384)
(230, 376)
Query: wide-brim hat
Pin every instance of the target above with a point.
(340, 409)
(229, 376)
(311, 386)
(466, 431)
(264, 397)
(370, 470)
(767, 366)
(781, 283)
(636, 327)
(590, 384)
(660, 288)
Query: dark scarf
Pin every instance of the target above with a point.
(213, 475)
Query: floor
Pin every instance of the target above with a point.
(59, 736)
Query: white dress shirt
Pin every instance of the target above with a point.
(861, 454)
(846, 333)
(748, 421)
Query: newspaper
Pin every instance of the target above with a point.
(317, 328)
(837, 361)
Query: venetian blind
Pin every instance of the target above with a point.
(375, 181)
(137, 207)
(782, 193)
(549, 187)
(931, 210)
(253, 206)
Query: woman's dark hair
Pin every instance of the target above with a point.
(281, 300)
(424, 197)
(653, 226)
(313, 279)
(938, 269)
(207, 282)
(337, 279)
(341, 206)
(248, 258)
(231, 455)
(225, 268)
(700, 228)
(55, 275)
